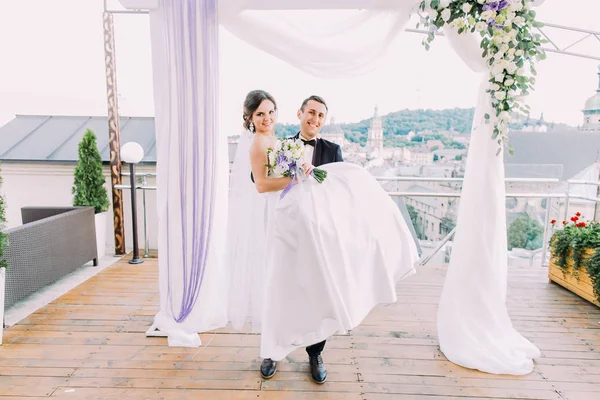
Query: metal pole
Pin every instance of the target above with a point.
(546, 225)
(424, 260)
(136, 250)
(146, 239)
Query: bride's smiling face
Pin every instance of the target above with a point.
(264, 117)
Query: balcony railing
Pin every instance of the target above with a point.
(565, 198)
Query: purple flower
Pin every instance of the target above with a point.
(281, 158)
(496, 5)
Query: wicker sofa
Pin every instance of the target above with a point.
(52, 242)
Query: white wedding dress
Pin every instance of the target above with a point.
(317, 261)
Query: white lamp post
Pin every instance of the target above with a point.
(132, 153)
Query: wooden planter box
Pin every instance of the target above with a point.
(581, 286)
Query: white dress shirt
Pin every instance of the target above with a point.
(309, 150)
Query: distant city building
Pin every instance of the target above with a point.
(591, 111)
(375, 135)
(334, 133)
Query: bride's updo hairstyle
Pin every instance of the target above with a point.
(253, 100)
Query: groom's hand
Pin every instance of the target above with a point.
(307, 168)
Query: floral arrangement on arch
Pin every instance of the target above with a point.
(508, 45)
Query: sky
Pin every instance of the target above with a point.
(53, 64)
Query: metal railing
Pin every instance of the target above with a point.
(549, 196)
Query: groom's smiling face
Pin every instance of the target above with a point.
(312, 118)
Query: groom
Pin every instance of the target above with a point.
(317, 151)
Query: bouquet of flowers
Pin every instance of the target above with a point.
(285, 160)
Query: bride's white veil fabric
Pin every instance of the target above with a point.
(246, 233)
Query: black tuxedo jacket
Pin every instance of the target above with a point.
(325, 152)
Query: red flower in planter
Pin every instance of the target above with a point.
(564, 222)
(553, 221)
(581, 225)
(578, 214)
(574, 219)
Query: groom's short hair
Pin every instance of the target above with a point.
(315, 98)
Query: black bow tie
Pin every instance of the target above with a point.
(312, 142)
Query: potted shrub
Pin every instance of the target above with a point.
(3, 263)
(88, 186)
(575, 261)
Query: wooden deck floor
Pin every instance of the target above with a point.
(90, 344)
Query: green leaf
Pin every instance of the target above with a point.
(487, 116)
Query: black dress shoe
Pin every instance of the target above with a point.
(317, 369)
(268, 368)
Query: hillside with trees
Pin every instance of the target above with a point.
(430, 123)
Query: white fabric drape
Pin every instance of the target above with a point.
(324, 44)
(474, 328)
(191, 170)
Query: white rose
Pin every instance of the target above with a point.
(446, 14)
(287, 154)
(519, 53)
(519, 21)
(516, 7)
(497, 39)
(511, 67)
(500, 95)
(481, 1)
(511, 51)
(487, 15)
(510, 57)
(467, 7)
(509, 82)
(504, 48)
(444, 3)
(495, 87)
(499, 78)
(481, 26)
(432, 13)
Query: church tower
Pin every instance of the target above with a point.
(591, 112)
(375, 134)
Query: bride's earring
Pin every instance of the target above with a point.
(251, 127)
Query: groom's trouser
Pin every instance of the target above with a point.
(315, 349)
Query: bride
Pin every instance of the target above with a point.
(316, 261)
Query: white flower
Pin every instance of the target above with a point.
(509, 82)
(481, 26)
(519, 53)
(481, 1)
(511, 67)
(287, 153)
(446, 14)
(499, 78)
(497, 39)
(511, 51)
(444, 3)
(500, 95)
(504, 116)
(495, 87)
(519, 21)
(487, 15)
(516, 6)
(467, 7)
(432, 13)
(504, 48)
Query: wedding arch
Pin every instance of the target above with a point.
(494, 39)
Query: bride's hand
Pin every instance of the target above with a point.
(307, 168)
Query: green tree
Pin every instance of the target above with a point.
(88, 186)
(525, 233)
(413, 217)
(3, 236)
